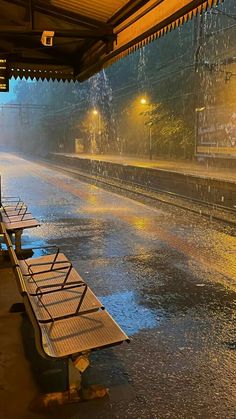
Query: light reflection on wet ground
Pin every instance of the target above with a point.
(133, 317)
(167, 277)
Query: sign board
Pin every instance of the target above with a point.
(217, 131)
(4, 80)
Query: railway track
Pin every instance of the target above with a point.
(153, 195)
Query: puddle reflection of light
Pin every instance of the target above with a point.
(141, 223)
(101, 210)
(92, 199)
(131, 316)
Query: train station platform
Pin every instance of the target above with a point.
(167, 277)
(192, 180)
(179, 166)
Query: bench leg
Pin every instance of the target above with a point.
(74, 382)
(76, 392)
(18, 234)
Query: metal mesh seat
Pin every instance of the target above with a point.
(67, 317)
(15, 225)
(51, 306)
(37, 264)
(79, 334)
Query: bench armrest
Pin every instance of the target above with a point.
(60, 287)
(77, 311)
(21, 212)
(52, 263)
(69, 267)
(20, 221)
(18, 202)
(11, 199)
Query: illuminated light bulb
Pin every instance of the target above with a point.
(143, 101)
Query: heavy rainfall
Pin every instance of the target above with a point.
(132, 175)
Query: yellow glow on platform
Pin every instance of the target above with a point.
(93, 199)
(141, 223)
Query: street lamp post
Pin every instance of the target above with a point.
(150, 140)
(143, 101)
(197, 112)
(97, 127)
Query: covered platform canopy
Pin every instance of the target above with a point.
(72, 40)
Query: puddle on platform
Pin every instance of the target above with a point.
(131, 316)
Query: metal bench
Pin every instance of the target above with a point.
(68, 319)
(16, 217)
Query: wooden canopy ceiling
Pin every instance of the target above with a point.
(88, 34)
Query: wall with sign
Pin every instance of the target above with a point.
(4, 80)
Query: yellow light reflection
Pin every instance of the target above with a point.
(140, 223)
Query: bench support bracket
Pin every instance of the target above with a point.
(74, 380)
(18, 234)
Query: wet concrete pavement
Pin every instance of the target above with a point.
(168, 278)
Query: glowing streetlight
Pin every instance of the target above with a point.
(198, 111)
(143, 101)
(95, 112)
